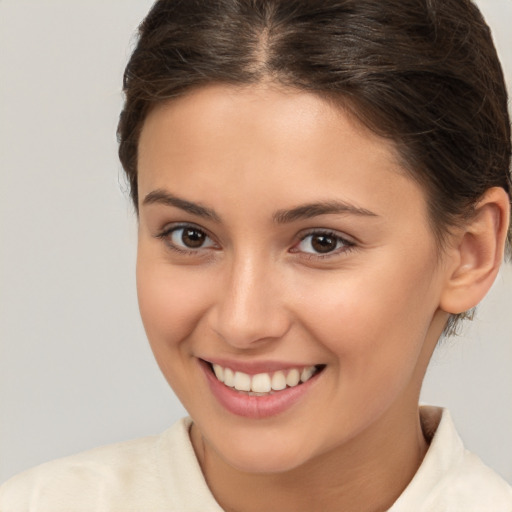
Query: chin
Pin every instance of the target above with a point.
(276, 456)
(271, 463)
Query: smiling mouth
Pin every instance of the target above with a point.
(264, 384)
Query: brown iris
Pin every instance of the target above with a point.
(193, 238)
(323, 243)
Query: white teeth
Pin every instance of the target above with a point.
(242, 381)
(307, 373)
(229, 377)
(219, 372)
(261, 383)
(278, 381)
(293, 377)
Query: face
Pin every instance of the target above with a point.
(282, 248)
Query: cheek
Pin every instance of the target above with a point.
(374, 323)
(171, 301)
(374, 328)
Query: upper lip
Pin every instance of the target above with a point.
(255, 367)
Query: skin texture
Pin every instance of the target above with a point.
(371, 310)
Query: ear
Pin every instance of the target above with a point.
(476, 256)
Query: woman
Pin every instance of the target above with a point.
(323, 189)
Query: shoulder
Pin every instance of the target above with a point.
(476, 485)
(467, 479)
(450, 478)
(108, 477)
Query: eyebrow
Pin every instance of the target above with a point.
(162, 197)
(305, 211)
(308, 211)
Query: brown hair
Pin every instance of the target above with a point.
(423, 73)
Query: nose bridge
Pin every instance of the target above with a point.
(250, 308)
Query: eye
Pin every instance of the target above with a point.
(187, 238)
(322, 243)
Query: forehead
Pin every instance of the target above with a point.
(281, 144)
(277, 115)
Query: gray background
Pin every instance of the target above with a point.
(75, 368)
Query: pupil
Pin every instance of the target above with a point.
(323, 243)
(193, 238)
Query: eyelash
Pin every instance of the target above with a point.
(167, 233)
(347, 245)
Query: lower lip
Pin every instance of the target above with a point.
(256, 407)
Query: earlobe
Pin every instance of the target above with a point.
(478, 254)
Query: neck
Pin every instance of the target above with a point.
(366, 474)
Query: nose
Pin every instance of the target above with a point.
(250, 308)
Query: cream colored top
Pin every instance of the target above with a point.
(161, 474)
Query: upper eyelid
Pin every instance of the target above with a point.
(165, 234)
(299, 237)
(348, 243)
(348, 246)
(327, 231)
(169, 228)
